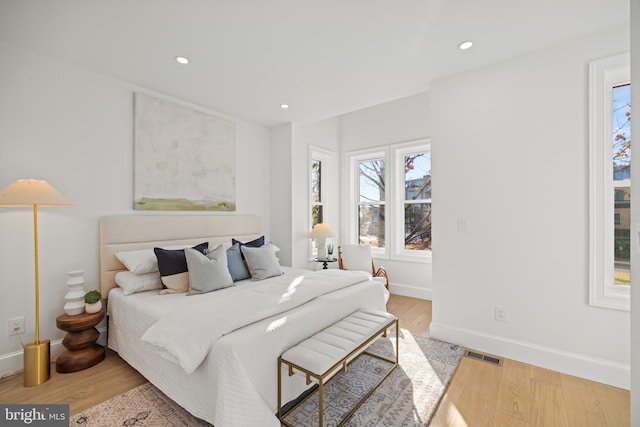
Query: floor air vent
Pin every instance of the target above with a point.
(494, 360)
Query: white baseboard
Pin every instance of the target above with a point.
(599, 370)
(410, 291)
(12, 363)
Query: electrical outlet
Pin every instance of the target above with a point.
(500, 313)
(16, 326)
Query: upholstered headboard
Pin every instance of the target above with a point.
(131, 232)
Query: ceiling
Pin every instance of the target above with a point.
(323, 57)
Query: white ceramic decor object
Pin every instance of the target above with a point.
(75, 295)
(93, 308)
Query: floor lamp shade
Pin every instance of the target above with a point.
(33, 193)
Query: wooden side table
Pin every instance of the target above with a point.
(80, 342)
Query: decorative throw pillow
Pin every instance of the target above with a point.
(356, 257)
(172, 264)
(142, 261)
(237, 267)
(132, 283)
(262, 262)
(209, 272)
(253, 244)
(139, 262)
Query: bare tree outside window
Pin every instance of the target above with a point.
(316, 192)
(417, 201)
(371, 202)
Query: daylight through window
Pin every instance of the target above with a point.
(391, 200)
(610, 182)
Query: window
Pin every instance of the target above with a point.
(413, 165)
(610, 182)
(322, 178)
(391, 200)
(316, 192)
(371, 202)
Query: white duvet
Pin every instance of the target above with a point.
(236, 383)
(211, 318)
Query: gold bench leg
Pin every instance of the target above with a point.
(321, 397)
(279, 388)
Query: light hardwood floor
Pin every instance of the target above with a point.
(480, 394)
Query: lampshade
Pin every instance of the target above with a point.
(29, 192)
(321, 231)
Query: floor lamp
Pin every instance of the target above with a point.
(34, 193)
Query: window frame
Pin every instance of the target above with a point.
(393, 155)
(398, 151)
(354, 200)
(604, 75)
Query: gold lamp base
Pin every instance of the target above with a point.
(37, 369)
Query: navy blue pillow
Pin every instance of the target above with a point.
(254, 243)
(172, 264)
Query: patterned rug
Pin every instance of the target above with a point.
(407, 398)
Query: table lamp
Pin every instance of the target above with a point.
(34, 193)
(320, 233)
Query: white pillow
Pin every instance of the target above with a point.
(274, 247)
(132, 283)
(142, 261)
(356, 257)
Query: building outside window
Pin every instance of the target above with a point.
(417, 201)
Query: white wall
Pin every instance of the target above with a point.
(290, 215)
(402, 120)
(280, 154)
(510, 149)
(73, 128)
(635, 176)
(324, 135)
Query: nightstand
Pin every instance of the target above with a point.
(80, 342)
(325, 262)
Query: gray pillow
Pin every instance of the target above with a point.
(262, 262)
(207, 272)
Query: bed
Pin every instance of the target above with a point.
(235, 384)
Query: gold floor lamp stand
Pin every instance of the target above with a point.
(33, 193)
(37, 369)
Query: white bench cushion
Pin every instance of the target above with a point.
(320, 352)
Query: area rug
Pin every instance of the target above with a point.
(407, 398)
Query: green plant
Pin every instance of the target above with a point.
(92, 297)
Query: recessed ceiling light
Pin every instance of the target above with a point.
(182, 60)
(284, 106)
(465, 45)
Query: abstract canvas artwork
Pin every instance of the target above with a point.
(184, 159)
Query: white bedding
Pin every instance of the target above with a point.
(215, 314)
(236, 383)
